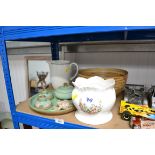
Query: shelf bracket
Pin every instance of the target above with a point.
(125, 35)
(55, 50)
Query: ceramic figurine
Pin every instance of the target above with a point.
(94, 99)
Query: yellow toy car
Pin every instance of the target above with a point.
(130, 109)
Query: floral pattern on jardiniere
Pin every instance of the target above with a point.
(92, 109)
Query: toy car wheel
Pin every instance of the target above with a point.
(126, 115)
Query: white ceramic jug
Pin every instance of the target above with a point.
(61, 72)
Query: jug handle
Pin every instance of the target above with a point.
(77, 69)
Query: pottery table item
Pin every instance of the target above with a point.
(50, 106)
(61, 72)
(44, 100)
(65, 104)
(94, 98)
(64, 92)
(44, 95)
(43, 104)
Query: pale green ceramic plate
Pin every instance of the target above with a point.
(53, 110)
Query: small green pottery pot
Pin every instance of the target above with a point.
(44, 100)
(45, 95)
(64, 92)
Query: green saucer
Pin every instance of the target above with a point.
(55, 108)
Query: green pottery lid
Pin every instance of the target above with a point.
(64, 89)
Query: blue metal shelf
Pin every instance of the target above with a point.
(41, 122)
(56, 34)
(48, 33)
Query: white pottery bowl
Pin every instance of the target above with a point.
(94, 99)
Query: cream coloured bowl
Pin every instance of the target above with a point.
(94, 99)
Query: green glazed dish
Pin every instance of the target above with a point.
(52, 106)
